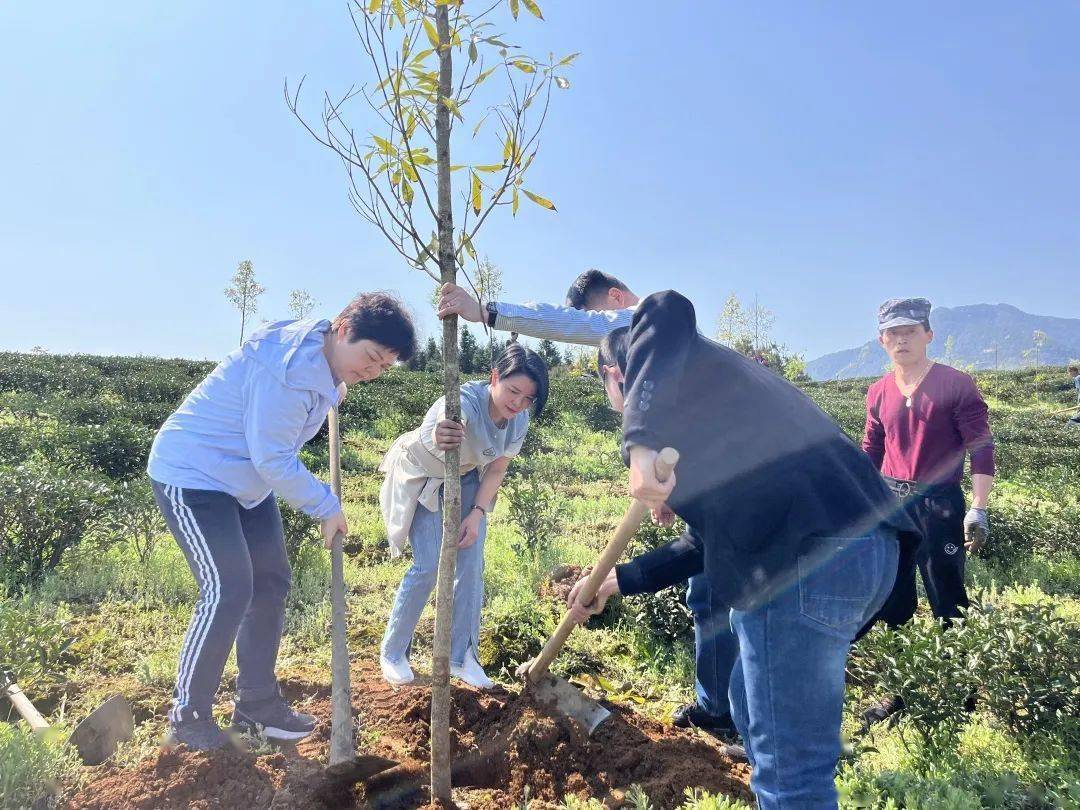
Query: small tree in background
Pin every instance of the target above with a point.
(471, 360)
(488, 288)
(244, 293)
(549, 352)
(731, 325)
(301, 304)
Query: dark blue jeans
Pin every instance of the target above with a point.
(715, 647)
(787, 687)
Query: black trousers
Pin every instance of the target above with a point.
(940, 558)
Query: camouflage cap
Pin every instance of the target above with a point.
(903, 312)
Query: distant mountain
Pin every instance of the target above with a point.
(983, 336)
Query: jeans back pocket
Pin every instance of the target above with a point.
(838, 581)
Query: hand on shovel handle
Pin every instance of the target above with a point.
(538, 667)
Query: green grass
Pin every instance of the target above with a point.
(126, 620)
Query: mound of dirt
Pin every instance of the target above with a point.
(504, 745)
(559, 582)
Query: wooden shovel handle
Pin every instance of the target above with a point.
(342, 742)
(25, 708)
(666, 460)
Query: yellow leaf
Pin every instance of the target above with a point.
(432, 33)
(406, 192)
(513, 208)
(452, 106)
(523, 66)
(490, 167)
(399, 11)
(420, 57)
(541, 201)
(410, 172)
(508, 147)
(422, 160)
(467, 243)
(533, 8)
(374, 6)
(477, 194)
(514, 8)
(566, 60)
(384, 145)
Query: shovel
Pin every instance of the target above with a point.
(557, 692)
(345, 765)
(95, 738)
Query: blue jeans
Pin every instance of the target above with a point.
(425, 537)
(787, 688)
(715, 647)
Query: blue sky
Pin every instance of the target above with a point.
(822, 156)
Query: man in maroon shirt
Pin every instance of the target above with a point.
(922, 419)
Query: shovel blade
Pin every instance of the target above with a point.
(97, 736)
(564, 697)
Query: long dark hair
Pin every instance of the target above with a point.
(516, 359)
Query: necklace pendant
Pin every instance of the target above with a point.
(908, 402)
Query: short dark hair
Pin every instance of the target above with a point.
(516, 359)
(613, 350)
(1074, 370)
(589, 285)
(382, 318)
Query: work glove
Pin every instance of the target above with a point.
(976, 529)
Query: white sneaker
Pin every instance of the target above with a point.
(396, 673)
(472, 673)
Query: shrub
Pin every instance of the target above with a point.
(133, 517)
(535, 510)
(513, 632)
(664, 614)
(33, 642)
(300, 529)
(44, 511)
(924, 663)
(1027, 662)
(33, 766)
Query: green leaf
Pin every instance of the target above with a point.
(541, 201)
(514, 8)
(533, 8)
(374, 6)
(406, 192)
(384, 145)
(477, 194)
(566, 60)
(490, 167)
(473, 53)
(468, 245)
(484, 75)
(431, 31)
(457, 166)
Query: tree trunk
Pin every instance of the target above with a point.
(451, 507)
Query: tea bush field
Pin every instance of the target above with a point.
(97, 595)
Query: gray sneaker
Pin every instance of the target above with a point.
(274, 719)
(199, 735)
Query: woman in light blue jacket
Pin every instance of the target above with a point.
(215, 466)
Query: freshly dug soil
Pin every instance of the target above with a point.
(559, 582)
(504, 744)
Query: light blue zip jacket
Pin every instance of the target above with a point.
(240, 431)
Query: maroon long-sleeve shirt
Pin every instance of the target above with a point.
(927, 442)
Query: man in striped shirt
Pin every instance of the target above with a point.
(596, 304)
